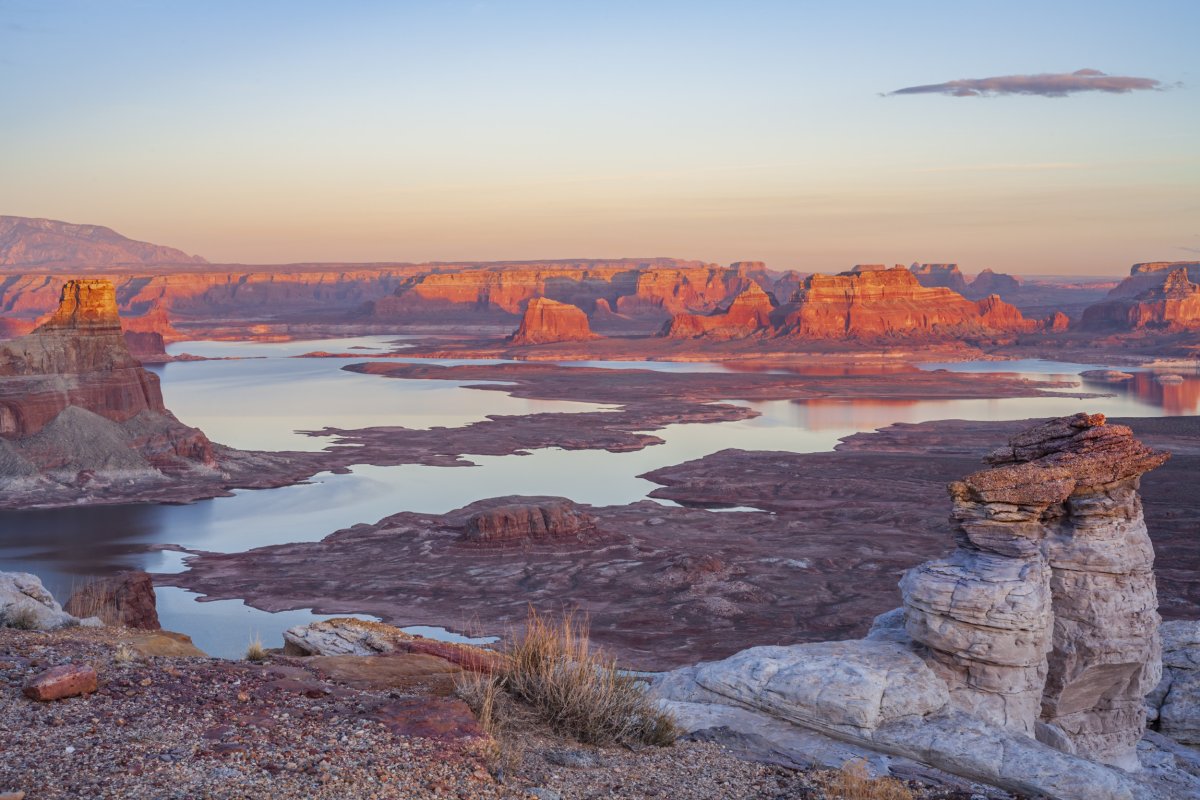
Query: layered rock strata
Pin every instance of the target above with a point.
(749, 312)
(546, 321)
(82, 421)
(1044, 618)
(1172, 305)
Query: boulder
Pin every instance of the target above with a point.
(126, 600)
(57, 683)
(346, 636)
(25, 603)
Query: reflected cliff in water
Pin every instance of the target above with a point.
(260, 403)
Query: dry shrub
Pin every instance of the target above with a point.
(88, 599)
(255, 650)
(552, 669)
(22, 618)
(499, 717)
(854, 782)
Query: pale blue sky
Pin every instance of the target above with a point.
(287, 131)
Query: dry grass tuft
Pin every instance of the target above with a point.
(89, 600)
(124, 654)
(552, 670)
(255, 651)
(854, 782)
(22, 618)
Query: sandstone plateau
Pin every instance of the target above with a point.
(1172, 304)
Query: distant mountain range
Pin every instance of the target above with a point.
(34, 242)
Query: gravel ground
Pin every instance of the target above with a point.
(208, 728)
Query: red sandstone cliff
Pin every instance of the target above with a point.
(880, 303)
(1173, 304)
(28, 241)
(629, 288)
(749, 312)
(1152, 275)
(547, 321)
(74, 400)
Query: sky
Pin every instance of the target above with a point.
(810, 135)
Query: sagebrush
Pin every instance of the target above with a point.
(551, 669)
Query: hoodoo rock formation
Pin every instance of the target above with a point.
(1022, 660)
(546, 321)
(1173, 304)
(1045, 617)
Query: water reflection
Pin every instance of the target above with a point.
(259, 403)
(1146, 394)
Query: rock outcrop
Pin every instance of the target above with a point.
(73, 399)
(546, 321)
(749, 312)
(1020, 661)
(1044, 619)
(1173, 304)
(532, 519)
(25, 603)
(1174, 705)
(126, 600)
(29, 241)
(82, 421)
(891, 302)
(630, 288)
(346, 636)
(1151, 275)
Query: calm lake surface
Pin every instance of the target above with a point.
(262, 399)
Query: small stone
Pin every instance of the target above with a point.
(57, 683)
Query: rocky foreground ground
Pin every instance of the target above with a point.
(168, 722)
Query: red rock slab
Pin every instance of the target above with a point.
(57, 683)
(441, 718)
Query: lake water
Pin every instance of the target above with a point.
(260, 400)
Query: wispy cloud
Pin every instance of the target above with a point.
(1043, 85)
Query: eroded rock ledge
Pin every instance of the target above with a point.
(1023, 659)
